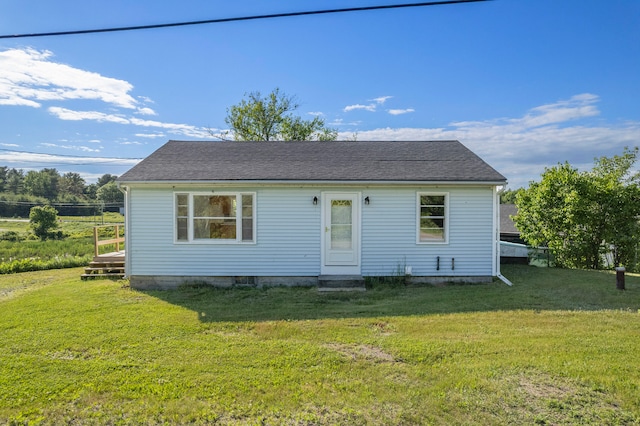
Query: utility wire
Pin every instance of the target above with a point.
(105, 160)
(243, 18)
(60, 204)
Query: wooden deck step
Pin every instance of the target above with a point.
(85, 277)
(106, 264)
(90, 270)
(104, 267)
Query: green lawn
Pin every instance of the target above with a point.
(559, 347)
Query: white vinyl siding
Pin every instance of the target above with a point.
(389, 233)
(287, 237)
(288, 232)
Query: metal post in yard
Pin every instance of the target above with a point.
(620, 278)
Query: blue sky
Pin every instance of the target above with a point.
(523, 83)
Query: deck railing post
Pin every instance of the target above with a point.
(95, 241)
(117, 238)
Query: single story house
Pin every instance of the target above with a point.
(287, 213)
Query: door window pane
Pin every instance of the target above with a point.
(341, 211)
(341, 224)
(341, 237)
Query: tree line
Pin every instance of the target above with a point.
(69, 193)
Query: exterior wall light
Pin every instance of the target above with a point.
(315, 201)
(367, 200)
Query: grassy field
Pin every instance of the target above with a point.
(559, 347)
(26, 253)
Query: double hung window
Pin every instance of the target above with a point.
(219, 217)
(432, 218)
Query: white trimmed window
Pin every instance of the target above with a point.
(220, 217)
(433, 218)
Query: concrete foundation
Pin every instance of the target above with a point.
(449, 280)
(167, 282)
(171, 282)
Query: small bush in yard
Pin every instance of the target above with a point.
(12, 236)
(44, 222)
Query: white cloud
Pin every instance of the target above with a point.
(341, 122)
(400, 111)
(150, 135)
(29, 77)
(70, 115)
(382, 99)
(19, 157)
(71, 147)
(146, 111)
(9, 145)
(520, 148)
(316, 113)
(579, 106)
(181, 129)
(370, 107)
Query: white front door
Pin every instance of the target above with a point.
(341, 230)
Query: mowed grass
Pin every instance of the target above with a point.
(559, 347)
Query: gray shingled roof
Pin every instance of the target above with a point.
(507, 225)
(426, 161)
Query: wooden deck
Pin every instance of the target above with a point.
(106, 265)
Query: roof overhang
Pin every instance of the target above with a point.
(263, 183)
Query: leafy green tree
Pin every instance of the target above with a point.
(259, 118)
(4, 170)
(43, 183)
(616, 183)
(110, 194)
(15, 181)
(72, 184)
(105, 179)
(508, 196)
(90, 191)
(583, 216)
(43, 221)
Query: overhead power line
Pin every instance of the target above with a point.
(61, 204)
(243, 18)
(102, 160)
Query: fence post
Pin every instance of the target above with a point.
(620, 278)
(117, 238)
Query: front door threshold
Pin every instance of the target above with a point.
(328, 283)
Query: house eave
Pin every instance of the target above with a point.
(230, 183)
